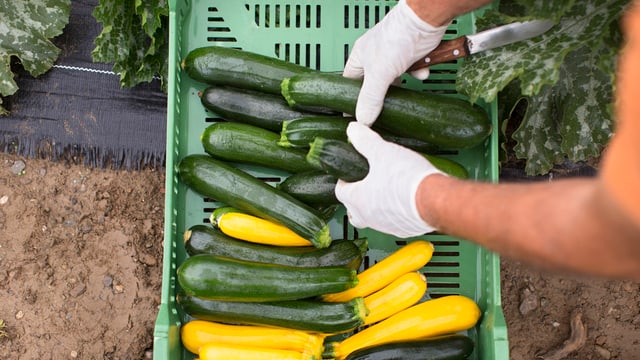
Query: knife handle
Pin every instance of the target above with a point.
(446, 51)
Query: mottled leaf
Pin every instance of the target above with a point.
(572, 118)
(537, 138)
(26, 27)
(134, 37)
(536, 62)
(546, 9)
(586, 97)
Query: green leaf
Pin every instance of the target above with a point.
(537, 138)
(536, 62)
(25, 29)
(134, 37)
(546, 9)
(587, 93)
(572, 118)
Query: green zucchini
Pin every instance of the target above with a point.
(327, 211)
(203, 239)
(408, 142)
(301, 133)
(448, 166)
(362, 244)
(221, 181)
(311, 187)
(448, 347)
(243, 69)
(267, 111)
(440, 120)
(221, 278)
(310, 315)
(251, 144)
(340, 159)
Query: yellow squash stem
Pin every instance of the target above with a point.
(445, 315)
(196, 333)
(257, 230)
(402, 293)
(410, 257)
(217, 351)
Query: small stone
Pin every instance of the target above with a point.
(78, 290)
(19, 315)
(73, 354)
(86, 226)
(529, 302)
(555, 324)
(148, 354)
(118, 289)
(18, 167)
(147, 259)
(4, 199)
(107, 281)
(544, 302)
(43, 172)
(601, 340)
(604, 353)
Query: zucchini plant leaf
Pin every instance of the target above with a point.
(571, 119)
(546, 9)
(536, 62)
(134, 37)
(537, 137)
(26, 28)
(565, 77)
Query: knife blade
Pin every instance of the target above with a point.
(489, 39)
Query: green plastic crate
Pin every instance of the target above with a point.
(317, 34)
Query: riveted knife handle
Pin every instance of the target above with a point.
(447, 51)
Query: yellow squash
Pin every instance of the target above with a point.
(216, 351)
(445, 315)
(257, 230)
(410, 257)
(197, 333)
(402, 293)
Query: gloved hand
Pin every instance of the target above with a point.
(385, 52)
(385, 200)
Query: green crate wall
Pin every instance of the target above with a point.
(316, 34)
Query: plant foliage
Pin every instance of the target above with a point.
(135, 38)
(26, 27)
(566, 76)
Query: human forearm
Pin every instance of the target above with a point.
(441, 12)
(567, 225)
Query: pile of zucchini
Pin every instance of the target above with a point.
(265, 279)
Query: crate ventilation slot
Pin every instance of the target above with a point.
(285, 16)
(363, 16)
(217, 31)
(302, 54)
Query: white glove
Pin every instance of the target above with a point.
(385, 200)
(385, 52)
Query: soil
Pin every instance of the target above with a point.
(80, 274)
(80, 260)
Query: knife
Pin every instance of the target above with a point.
(470, 44)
